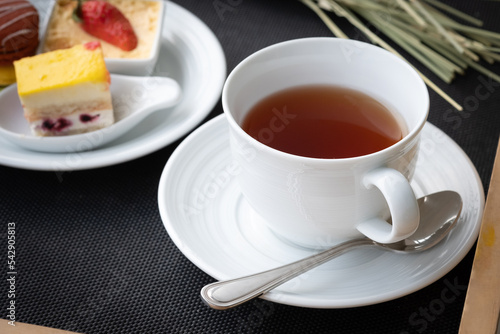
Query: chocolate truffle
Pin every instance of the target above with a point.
(18, 30)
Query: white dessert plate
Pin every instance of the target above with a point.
(208, 219)
(191, 55)
(134, 98)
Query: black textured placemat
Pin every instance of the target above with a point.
(93, 256)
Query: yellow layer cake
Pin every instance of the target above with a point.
(66, 91)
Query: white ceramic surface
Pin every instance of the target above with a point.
(134, 98)
(190, 54)
(208, 219)
(318, 202)
(143, 66)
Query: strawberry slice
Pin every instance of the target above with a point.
(103, 20)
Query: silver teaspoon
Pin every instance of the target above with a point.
(439, 213)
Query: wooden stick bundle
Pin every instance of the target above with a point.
(424, 30)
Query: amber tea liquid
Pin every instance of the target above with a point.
(326, 122)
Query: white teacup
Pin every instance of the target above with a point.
(319, 202)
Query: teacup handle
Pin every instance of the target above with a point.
(402, 205)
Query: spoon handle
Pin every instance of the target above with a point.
(226, 294)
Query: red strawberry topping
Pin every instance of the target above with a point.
(103, 20)
(91, 46)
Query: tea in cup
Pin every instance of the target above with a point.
(326, 133)
(327, 122)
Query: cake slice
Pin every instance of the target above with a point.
(65, 92)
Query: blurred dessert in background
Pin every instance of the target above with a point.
(18, 35)
(64, 32)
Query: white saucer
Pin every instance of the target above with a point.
(191, 54)
(211, 223)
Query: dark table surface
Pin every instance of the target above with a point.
(94, 257)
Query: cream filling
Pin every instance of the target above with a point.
(77, 94)
(79, 122)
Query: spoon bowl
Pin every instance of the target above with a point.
(439, 213)
(134, 98)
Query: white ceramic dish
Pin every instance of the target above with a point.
(143, 66)
(211, 223)
(134, 98)
(190, 54)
